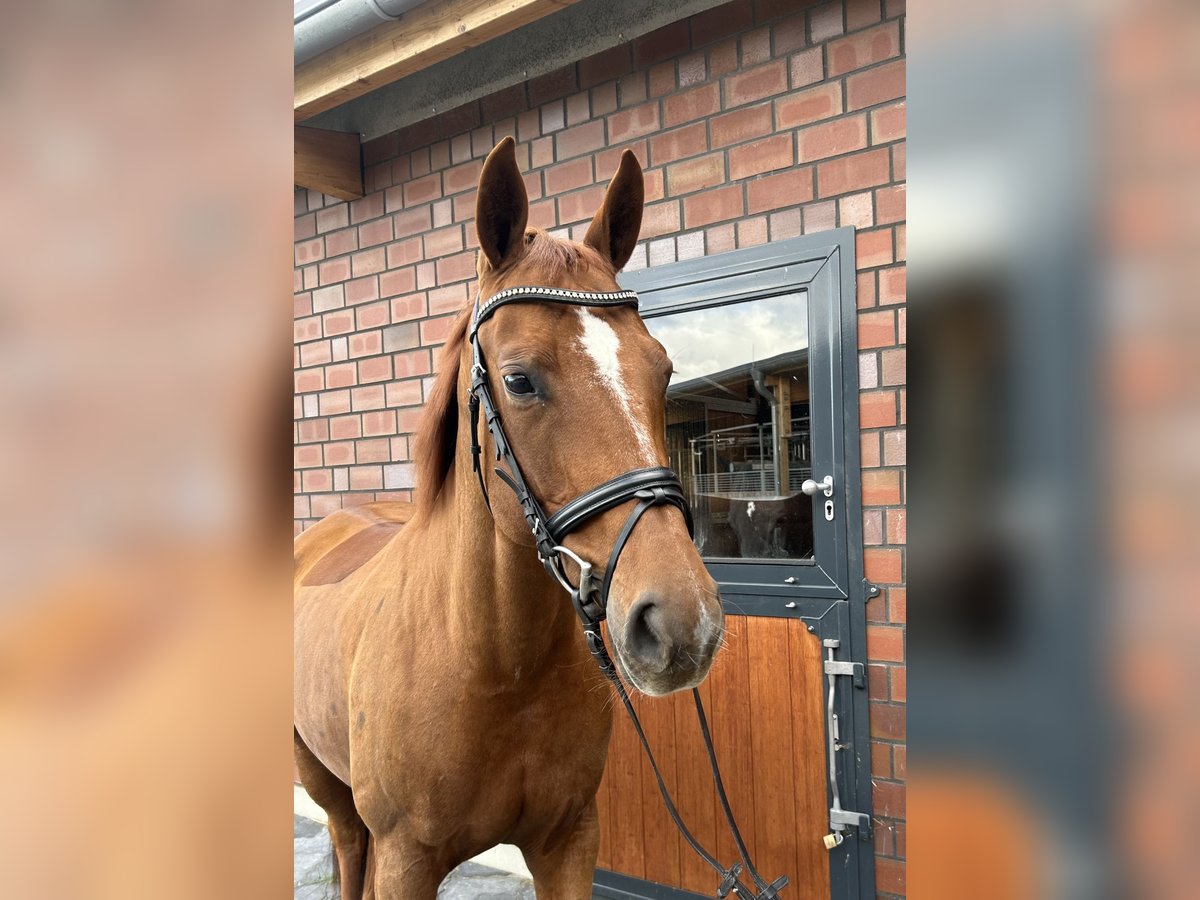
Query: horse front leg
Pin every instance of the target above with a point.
(403, 869)
(564, 864)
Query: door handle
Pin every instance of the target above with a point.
(811, 487)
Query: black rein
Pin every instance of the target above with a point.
(649, 487)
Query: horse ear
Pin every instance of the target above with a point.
(615, 227)
(502, 206)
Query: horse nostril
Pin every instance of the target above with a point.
(643, 636)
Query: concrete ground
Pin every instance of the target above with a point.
(313, 872)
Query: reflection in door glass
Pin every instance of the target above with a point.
(738, 430)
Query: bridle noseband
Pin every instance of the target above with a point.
(652, 486)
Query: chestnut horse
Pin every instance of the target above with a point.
(445, 700)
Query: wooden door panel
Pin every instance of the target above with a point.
(764, 700)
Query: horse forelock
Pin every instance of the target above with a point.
(547, 261)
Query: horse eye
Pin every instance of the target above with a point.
(518, 384)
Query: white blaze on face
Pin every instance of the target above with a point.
(602, 345)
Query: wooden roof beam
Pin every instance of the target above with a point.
(425, 35)
(329, 162)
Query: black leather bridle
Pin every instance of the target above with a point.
(649, 487)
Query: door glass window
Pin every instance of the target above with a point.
(738, 430)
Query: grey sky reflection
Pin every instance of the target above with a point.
(705, 341)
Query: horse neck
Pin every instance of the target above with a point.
(507, 611)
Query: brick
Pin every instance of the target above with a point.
(331, 217)
(412, 221)
(552, 85)
(890, 876)
(834, 138)
(857, 51)
(397, 281)
(365, 208)
(340, 453)
(741, 125)
(721, 21)
(883, 566)
(585, 138)
(378, 231)
(578, 108)
(434, 331)
(872, 526)
(334, 270)
(897, 604)
(786, 224)
(662, 79)
(366, 343)
(569, 176)
(875, 86)
(790, 33)
(405, 336)
(406, 308)
(713, 206)
(697, 103)
(404, 393)
(762, 156)
(695, 174)
(456, 268)
(443, 242)
(890, 203)
(315, 480)
(876, 409)
(752, 232)
(368, 397)
(853, 173)
(893, 285)
(692, 69)
(777, 191)
(861, 13)
(873, 248)
(340, 322)
(344, 427)
(825, 21)
(756, 47)
(899, 155)
(462, 177)
(325, 504)
(304, 227)
(812, 105)
(633, 122)
(315, 354)
(869, 449)
(820, 217)
(378, 368)
(806, 67)
(722, 57)
(604, 99)
(881, 487)
(605, 66)
(659, 219)
(888, 799)
(895, 448)
(335, 403)
(307, 456)
(341, 375)
(327, 298)
(580, 206)
(379, 422)
(412, 363)
(342, 241)
(372, 450)
(369, 262)
(662, 43)
(887, 722)
(422, 190)
(755, 84)
(306, 329)
(897, 526)
(888, 123)
(310, 251)
(856, 210)
(554, 117)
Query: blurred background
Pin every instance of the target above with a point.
(1055, 480)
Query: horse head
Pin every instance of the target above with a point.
(581, 392)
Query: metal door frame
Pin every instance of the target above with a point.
(829, 595)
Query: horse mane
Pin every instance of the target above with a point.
(544, 261)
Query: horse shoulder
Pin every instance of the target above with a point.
(342, 542)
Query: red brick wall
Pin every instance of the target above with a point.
(755, 121)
